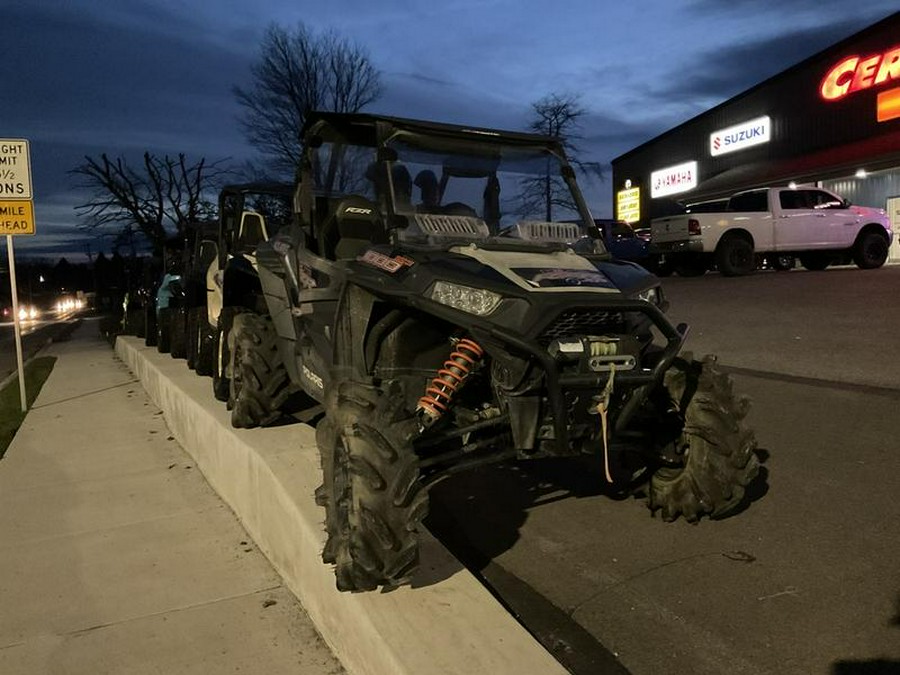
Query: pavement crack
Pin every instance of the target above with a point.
(85, 394)
(737, 556)
(78, 632)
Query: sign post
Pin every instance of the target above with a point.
(16, 217)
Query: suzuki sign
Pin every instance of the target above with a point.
(740, 136)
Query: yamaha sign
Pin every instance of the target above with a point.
(740, 136)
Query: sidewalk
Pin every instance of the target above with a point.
(117, 556)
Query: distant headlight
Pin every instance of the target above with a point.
(476, 301)
(26, 313)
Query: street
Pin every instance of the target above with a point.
(805, 580)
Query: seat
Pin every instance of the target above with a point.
(251, 233)
(355, 225)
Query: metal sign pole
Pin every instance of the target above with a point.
(15, 307)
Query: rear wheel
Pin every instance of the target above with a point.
(714, 447)
(259, 379)
(735, 257)
(870, 251)
(371, 492)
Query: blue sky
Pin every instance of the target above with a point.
(84, 77)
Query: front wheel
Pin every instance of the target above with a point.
(715, 451)
(371, 491)
(222, 353)
(259, 379)
(870, 251)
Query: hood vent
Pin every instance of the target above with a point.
(543, 231)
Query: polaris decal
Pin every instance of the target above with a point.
(549, 278)
(313, 378)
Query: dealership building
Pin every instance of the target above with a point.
(832, 120)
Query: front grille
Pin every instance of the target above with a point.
(574, 323)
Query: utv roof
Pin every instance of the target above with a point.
(366, 129)
(266, 187)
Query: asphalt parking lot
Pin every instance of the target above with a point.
(805, 580)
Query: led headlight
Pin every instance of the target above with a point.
(476, 301)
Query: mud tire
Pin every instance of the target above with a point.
(222, 353)
(178, 346)
(259, 383)
(718, 449)
(164, 331)
(371, 492)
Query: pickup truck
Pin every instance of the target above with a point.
(816, 226)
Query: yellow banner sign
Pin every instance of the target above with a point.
(628, 205)
(16, 217)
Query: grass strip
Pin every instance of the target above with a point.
(11, 416)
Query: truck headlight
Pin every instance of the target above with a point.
(476, 301)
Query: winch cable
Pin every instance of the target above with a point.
(602, 408)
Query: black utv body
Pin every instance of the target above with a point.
(436, 299)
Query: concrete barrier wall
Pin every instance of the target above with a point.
(443, 622)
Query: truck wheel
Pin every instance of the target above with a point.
(715, 447)
(870, 251)
(259, 379)
(735, 257)
(164, 331)
(815, 262)
(371, 492)
(178, 344)
(222, 353)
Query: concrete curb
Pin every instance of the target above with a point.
(444, 622)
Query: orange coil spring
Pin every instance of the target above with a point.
(451, 377)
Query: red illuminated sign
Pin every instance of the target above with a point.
(855, 73)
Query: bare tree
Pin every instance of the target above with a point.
(165, 193)
(556, 115)
(297, 73)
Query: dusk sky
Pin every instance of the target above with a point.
(85, 77)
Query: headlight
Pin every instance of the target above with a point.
(476, 301)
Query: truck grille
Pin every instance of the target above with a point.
(584, 322)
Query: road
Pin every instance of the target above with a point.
(35, 335)
(805, 580)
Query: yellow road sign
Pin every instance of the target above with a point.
(15, 169)
(16, 217)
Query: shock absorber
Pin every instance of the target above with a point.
(439, 393)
